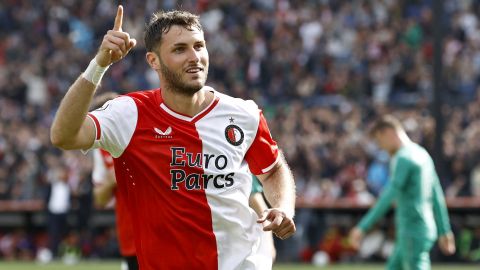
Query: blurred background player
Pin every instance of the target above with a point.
(421, 214)
(106, 193)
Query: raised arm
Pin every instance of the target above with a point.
(70, 128)
(279, 188)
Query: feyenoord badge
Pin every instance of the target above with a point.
(234, 135)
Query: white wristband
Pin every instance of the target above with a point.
(94, 72)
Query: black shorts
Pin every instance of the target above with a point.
(131, 262)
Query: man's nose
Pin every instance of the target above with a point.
(193, 55)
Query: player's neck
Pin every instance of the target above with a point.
(401, 140)
(185, 104)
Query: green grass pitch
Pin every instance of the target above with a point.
(115, 265)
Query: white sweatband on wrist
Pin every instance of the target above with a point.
(94, 72)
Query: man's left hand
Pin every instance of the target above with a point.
(280, 224)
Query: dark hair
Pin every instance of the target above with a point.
(161, 22)
(384, 122)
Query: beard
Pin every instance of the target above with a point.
(173, 81)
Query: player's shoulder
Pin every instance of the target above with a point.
(117, 104)
(408, 154)
(234, 103)
(142, 96)
(404, 153)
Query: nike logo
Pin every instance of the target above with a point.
(168, 131)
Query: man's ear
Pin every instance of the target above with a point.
(153, 60)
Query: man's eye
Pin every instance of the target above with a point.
(178, 50)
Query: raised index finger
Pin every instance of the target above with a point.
(118, 19)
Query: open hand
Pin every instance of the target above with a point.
(280, 224)
(116, 43)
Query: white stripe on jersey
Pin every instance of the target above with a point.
(231, 214)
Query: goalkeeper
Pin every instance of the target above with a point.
(421, 215)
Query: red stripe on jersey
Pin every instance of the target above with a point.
(123, 221)
(97, 126)
(264, 150)
(126, 237)
(162, 175)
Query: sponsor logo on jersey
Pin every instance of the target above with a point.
(234, 135)
(180, 178)
(167, 134)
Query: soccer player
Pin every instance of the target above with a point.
(420, 215)
(105, 189)
(182, 152)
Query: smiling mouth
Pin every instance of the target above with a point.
(194, 70)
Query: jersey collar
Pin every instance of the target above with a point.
(187, 118)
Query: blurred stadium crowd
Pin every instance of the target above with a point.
(320, 69)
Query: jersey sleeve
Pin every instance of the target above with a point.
(401, 168)
(379, 209)
(115, 124)
(263, 153)
(440, 209)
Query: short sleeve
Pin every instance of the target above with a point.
(115, 123)
(263, 153)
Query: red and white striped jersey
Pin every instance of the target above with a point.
(188, 179)
(102, 163)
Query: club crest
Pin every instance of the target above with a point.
(234, 135)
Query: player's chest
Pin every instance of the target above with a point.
(220, 142)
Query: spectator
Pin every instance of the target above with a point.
(58, 205)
